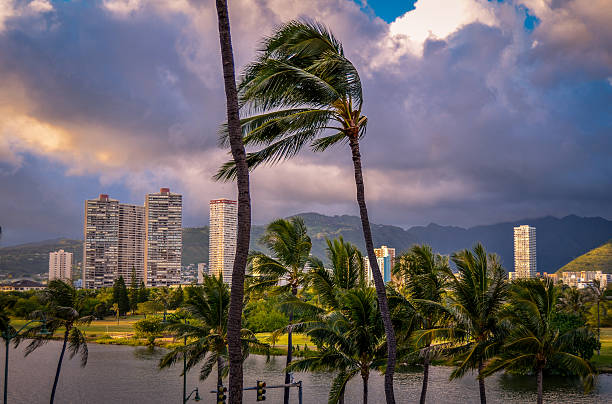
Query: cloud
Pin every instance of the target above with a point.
(472, 117)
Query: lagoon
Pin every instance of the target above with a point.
(123, 374)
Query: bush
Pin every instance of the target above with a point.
(263, 316)
(150, 329)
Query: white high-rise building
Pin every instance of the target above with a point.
(164, 238)
(60, 265)
(525, 252)
(222, 238)
(101, 242)
(385, 258)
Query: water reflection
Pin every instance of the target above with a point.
(119, 374)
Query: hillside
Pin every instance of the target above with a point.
(598, 259)
(559, 241)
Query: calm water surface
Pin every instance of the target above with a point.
(118, 374)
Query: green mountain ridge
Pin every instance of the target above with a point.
(559, 240)
(598, 259)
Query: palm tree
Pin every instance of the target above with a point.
(597, 295)
(115, 308)
(478, 292)
(533, 341)
(205, 334)
(347, 272)
(290, 246)
(573, 301)
(244, 206)
(424, 274)
(353, 342)
(63, 304)
(303, 90)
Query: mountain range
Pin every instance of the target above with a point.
(559, 240)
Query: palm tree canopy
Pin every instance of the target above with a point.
(290, 246)
(347, 271)
(301, 90)
(534, 341)
(206, 329)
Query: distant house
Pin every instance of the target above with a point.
(21, 286)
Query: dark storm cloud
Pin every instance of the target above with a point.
(490, 122)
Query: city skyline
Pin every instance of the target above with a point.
(484, 79)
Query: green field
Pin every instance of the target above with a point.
(604, 360)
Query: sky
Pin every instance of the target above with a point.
(478, 111)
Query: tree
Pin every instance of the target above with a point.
(301, 87)
(176, 300)
(163, 297)
(120, 295)
(347, 272)
(573, 300)
(244, 206)
(62, 311)
(290, 245)
(533, 341)
(478, 293)
(206, 332)
(424, 274)
(353, 342)
(133, 292)
(143, 293)
(597, 295)
(149, 328)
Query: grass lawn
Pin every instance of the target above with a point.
(298, 339)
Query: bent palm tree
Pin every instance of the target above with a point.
(424, 274)
(205, 334)
(304, 91)
(290, 245)
(533, 340)
(353, 342)
(63, 304)
(234, 328)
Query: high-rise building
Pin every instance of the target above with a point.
(222, 238)
(101, 242)
(385, 257)
(131, 243)
(164, 238)
(525, 252)
(60, 265)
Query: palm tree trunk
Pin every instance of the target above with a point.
(234, 320)
(378, 280)
(425, 379)
(59, 365)
(481, 384)
(289, 351)
(365, 388)
(540, 386)
(219, 371)
(598, 331)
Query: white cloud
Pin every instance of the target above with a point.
(437, 19)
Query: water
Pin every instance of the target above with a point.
(119, 374)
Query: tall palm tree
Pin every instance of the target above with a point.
(573, 301)
(347, 272)
(478, 292)
(424, 274)
(290, 246)
(303, 90)
(533, 341)
(63, 305)
(353, 342)
(597, 295)
(244, 206)
(206, 332)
